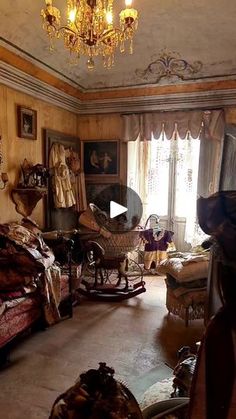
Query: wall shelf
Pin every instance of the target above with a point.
(26, 199)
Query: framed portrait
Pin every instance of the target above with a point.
(100, 191)
(27, 123)
(100, 158)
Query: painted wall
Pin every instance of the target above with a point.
(109, 127)
(15, 149)
(230, 115)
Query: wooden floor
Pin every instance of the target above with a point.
(135, 337)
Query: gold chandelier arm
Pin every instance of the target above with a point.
(67, 29)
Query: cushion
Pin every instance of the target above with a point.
(185, 270)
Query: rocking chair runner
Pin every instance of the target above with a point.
(114, 274)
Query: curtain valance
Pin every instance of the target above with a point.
(154, 124)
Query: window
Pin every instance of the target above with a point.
(164, 173)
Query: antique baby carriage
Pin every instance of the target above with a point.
(109, 271)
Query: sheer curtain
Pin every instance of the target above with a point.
(138, 163)
(186, 174)
(148, 174)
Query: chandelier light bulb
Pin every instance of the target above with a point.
(109, 18)
(128, 3)
(72, 15)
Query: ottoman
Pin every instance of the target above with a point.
(186, 283)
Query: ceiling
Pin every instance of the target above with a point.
(200, 32)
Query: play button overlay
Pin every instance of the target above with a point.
(119, 208)
(116, 209)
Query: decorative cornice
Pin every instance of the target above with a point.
(39, 71)
(199, 99)
(167, 102)
(17, 79)
(26, 62)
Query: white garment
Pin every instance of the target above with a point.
(62, 189)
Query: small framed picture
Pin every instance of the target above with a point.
(27, 123)
(100, 158)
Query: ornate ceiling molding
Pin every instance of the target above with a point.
(214, 98)
(17, 79)
(169, 65)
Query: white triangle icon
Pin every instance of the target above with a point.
(116, 209)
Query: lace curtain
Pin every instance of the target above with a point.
(138, 163)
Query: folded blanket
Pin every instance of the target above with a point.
(25, 245)
(185, 269)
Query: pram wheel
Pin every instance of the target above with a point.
(133, 271)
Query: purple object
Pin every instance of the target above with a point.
(157, 241)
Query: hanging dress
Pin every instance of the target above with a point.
(77, 179)
(63, 195)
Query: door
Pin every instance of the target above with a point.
(170, 186)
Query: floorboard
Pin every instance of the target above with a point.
(135, 337)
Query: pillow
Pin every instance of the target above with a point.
(183, 270)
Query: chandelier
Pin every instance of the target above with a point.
(89, 30)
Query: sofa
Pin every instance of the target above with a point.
(35, 288)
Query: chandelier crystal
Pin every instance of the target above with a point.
(89, 30)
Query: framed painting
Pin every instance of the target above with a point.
(100, 158)
(94, 191)
(27, 123)
(101, 194)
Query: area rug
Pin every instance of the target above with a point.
(157, 392)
